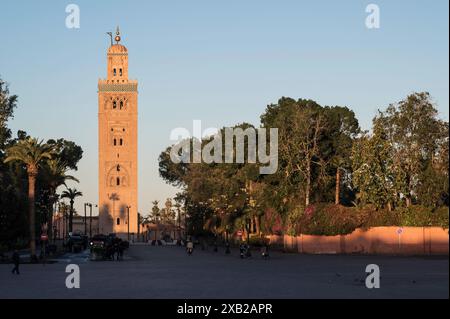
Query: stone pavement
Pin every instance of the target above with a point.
(167, 272)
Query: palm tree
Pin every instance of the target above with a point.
(55, 176)
(32, 153)
(71, 194)
(156, 214)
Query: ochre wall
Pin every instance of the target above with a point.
(376, 240)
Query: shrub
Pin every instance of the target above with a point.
(257, 241)
(330, 219)
(416, 216)
(326, 219)
(382, 217)
(441, 217)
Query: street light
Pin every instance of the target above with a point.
(90, 219)
(138, 226)
(63, 224)
(98, 220)
(248, 220)
(227, 243)
(85, 219)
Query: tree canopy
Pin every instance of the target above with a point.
(323, 157)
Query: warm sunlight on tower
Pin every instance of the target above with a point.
(117, 145)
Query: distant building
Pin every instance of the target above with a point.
(61, 225)
(167, 232)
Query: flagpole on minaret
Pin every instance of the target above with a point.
(111, 37)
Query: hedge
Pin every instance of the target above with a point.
(327, 219)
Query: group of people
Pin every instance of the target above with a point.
(115, 250)
(244, 249)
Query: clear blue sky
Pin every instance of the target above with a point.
(220, 62)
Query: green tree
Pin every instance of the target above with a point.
(155, 212)
(341, 129)
(168, 214)
(53, 175)
(8, 103)
(300, 126)
(71, 194)
(32, 153)
(415, 133)
(373, 174)
(67, 152)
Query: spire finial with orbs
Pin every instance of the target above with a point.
(117, 38)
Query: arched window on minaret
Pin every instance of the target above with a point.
(120, 72)
(118, 181)
(118, 221)
(121, 142)
(115, 142)
(121, 104)
(114, 72)
(114, 104)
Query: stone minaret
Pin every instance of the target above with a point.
(117, 145)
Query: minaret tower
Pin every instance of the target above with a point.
(117, 145)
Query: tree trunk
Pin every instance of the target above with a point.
(338, 186)
(408, 201)
(50, 216)
(31, 212)
(389, 206)
(308, 184)
(257, 225)
(71, 216)
(50, 223)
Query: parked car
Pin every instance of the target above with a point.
(77, 243)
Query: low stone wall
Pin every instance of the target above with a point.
(376, 240)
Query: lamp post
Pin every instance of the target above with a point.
(185, 220)
(98, 220)
(64, 221)
(248, 225)
(227, 243)
(158, 222)
(138, 226)
(179, 226)
(128, 222)
(63, 224)
(90, 219)
(85, 218)
(53, 198)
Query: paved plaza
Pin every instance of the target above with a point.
(168, 272)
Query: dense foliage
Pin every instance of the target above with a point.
(332, 177)
(31, 171)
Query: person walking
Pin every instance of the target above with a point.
(190, 247)
(121, 249)
(242, 251)
(16, 262)
(265, 251)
